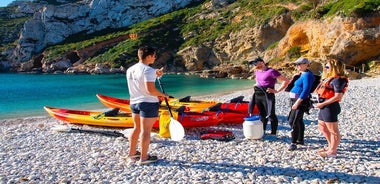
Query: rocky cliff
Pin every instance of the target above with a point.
(52, 24)
(354, 39)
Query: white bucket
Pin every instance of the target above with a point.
(253, 127)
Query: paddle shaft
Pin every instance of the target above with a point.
(62, 128)
(176, 129)
(166, 100)
(102, 132)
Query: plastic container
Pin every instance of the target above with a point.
(253, 127)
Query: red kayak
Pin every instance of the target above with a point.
(231, 112)
(190, 119)
(230, 116)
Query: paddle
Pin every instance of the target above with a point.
(63, 128)
(177, 132)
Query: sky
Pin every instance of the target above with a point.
(4, 3)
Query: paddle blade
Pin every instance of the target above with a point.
(177, 132)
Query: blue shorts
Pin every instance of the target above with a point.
(146, 109)
(329, 113)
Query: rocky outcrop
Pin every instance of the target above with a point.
(236, 47)
(198, 58)
(353, 40)
(53, 24)
(251, 42)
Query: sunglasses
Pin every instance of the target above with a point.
(254, 63)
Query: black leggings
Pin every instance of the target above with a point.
(296, 120)
(262, 105)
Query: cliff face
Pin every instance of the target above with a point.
(252, 42)
(53, 24)
(354, 40)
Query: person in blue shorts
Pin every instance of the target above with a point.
(144, 102)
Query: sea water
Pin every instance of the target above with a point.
(24, 95)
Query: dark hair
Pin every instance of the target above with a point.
(145, 51)
(253, 62)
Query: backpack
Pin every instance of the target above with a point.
(219, 135)
(316, 82)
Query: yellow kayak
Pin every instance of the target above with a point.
(123, 120)
(123, 104)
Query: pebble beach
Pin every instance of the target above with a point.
(31, 152)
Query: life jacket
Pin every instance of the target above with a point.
(325, 91)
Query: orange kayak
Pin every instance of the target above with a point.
(83, 117)
(124, 120)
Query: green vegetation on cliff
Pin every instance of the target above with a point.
(349, 8)
(187, 27)
(10, 27)
(193, 26)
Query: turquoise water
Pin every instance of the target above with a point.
(24, 95)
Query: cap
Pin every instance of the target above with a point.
(253, 62)
(301, 61)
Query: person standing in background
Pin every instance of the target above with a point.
(330, 93)
(299, 98)
(144, 102)
(264, 93)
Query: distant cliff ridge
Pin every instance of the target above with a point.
(53, 24)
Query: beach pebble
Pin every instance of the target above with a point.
(30, 152)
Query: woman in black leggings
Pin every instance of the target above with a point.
(264, 95)
(299, 97)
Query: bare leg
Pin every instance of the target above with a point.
(146, 124)
(334, 136)
(323, 128)
(134, 136)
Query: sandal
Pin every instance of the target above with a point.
(327, 155)
(150, 159)
(136, 156)
(323, 150)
